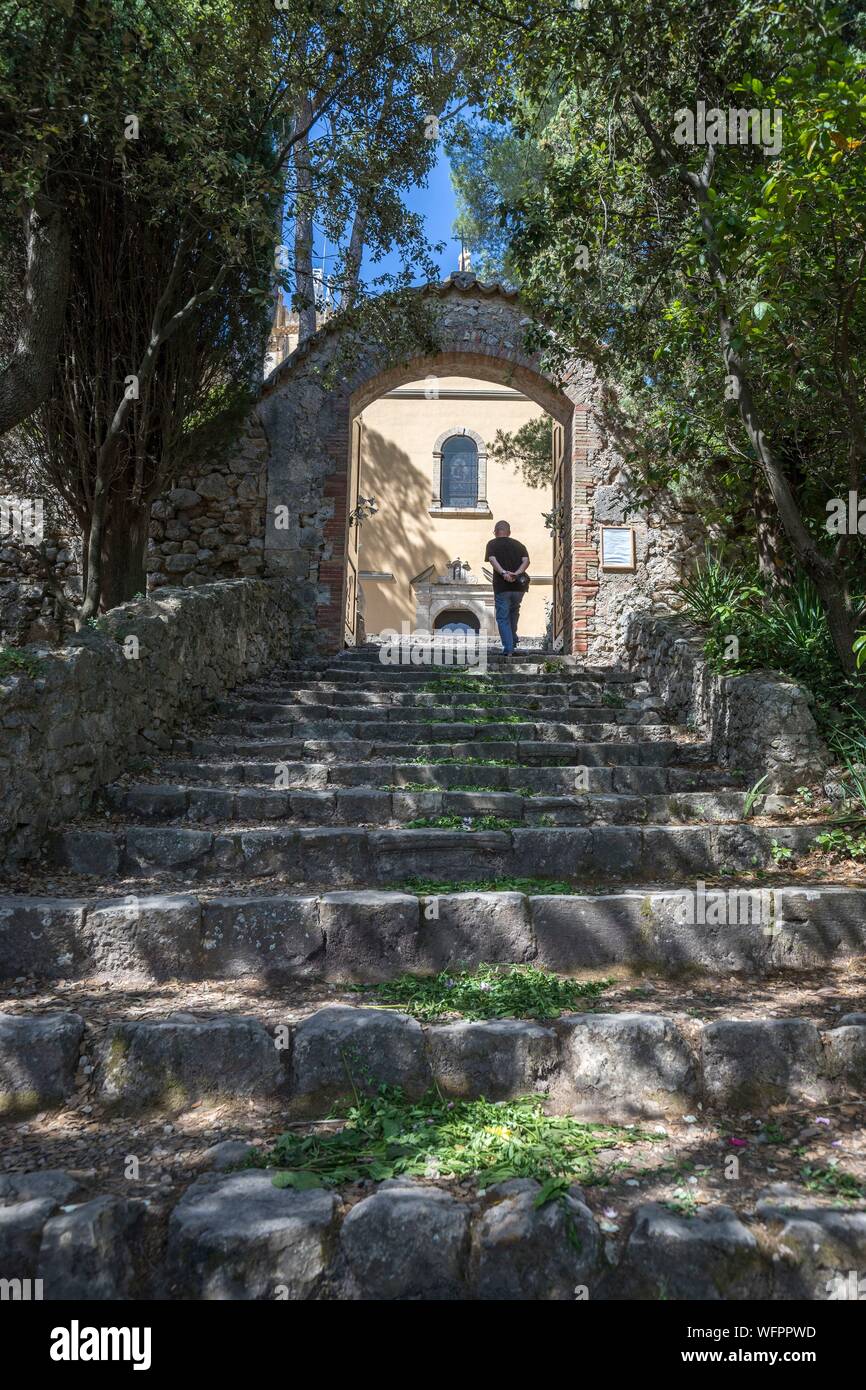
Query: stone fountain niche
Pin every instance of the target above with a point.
(455, 591)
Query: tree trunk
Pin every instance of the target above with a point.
(305, 289)
(26, 379)
(768, 539)
(354, 256)
(124, 552)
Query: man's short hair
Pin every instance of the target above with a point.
(499, 526)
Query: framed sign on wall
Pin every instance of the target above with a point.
(617, 548)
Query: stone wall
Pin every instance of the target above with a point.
(211, 524)
(667, 545)
(103, 698)
(759, 723)
(28, 613)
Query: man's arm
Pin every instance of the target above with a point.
(524, 564)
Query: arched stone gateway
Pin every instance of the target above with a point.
(281, 500)
(308, 404)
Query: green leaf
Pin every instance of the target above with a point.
(551, 1188)
(301, 1181)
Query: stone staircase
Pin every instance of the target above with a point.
(180, 967)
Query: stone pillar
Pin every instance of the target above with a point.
(482, 482)
(436, 499)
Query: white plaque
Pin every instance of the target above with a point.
(617, 548)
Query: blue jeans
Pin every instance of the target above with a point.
(507, 612)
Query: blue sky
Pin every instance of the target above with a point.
(438, 207)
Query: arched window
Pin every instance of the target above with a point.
(459, 471)
(456, 621)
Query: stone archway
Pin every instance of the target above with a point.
(461, 327)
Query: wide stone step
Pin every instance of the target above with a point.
(512, 675)
(344, 857)
(366, 936)
(409, 1240)
(553, 781)
(405, 731)
(613, 753)
(236, 1236)
(393, 690)
(369, 806)
(280, 712)
(596, 1066)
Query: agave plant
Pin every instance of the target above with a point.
(716, 593)
(793, 635)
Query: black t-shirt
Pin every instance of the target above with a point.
(509, 553)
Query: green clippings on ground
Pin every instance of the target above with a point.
(532, 887)
(469, 823)
(490, 991)
(833, 1182)
(472, 684)
(389, 1135)
(410, 787)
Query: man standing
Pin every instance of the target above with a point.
(510, 560)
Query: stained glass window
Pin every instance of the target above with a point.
(459, 472)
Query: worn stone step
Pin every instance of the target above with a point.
(613, 753)
(597, 1066)
(550, 780)
(401, 731)
(376, 806)
(517, 675)
(409, 1240)
(366, 935)
(347, 857)
(285, 712)
(236, 1236)
(396, 692)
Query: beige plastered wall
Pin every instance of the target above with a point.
(399, 434)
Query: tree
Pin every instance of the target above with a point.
(26, 378)
(491, 168)
(164, 134)
(720, 287)
(529, 449)
(350, 177)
